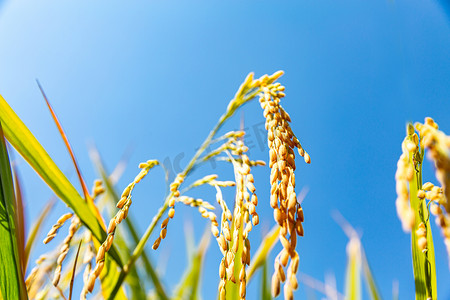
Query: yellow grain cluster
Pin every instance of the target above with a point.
(123, 205)
(288, 213)
(36, 280)
(54, 230)
(175, 193)
(438, 146)
(97, 189)
(403, 175)
(236, 226)
(175, 196)
(65, 246)
(437, 199)
(89, 254)
(33, 273)
(64, 249)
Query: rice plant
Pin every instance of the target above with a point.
(103, 256)
(416, 200)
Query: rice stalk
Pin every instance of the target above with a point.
(246, 92)
(109, 182)
(123, 205)
(438, 146)
(413, 212)
(64, 249)
(288, 212)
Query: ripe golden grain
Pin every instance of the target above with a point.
(123, 205)
(54, 230)
(74, 225)
(438, 146)
(403, 175)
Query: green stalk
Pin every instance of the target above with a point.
(423, 261)
(353, 276)
(232, 289)
(131, 228)
(245, 93)
(265, 285)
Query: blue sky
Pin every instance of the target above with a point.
(156, 76)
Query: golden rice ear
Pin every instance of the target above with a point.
(52, 233)
(275, 285)
(437, 146)
(124, 206)
(74, 226)
(287, 210)
(403, 175)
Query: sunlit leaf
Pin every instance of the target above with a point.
(20, 218)
(11, 276)
(370, 280)
(353, 277)
(263, 251)
(31, 150)
(265, 285)
(190, 283)
(66, 142)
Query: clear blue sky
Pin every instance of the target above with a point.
(157, 76)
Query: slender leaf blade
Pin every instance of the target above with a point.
(353, 277)
(66, 142)
(72, 278)
(265, 285)
(11, 276)
(370, 280)
(189, 285)
(20, 218)
(263, 251)
(32, 151)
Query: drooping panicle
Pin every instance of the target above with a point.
(287, 211)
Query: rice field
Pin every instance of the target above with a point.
(145, 155)
(100, 257)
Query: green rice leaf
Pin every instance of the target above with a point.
(190, 283)
(11, 276)
(19, 217)
(31, 150)
(66, 142)
(353, 277)
(265, 285)
(263, 251)
(424, 265)
(370, 280)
